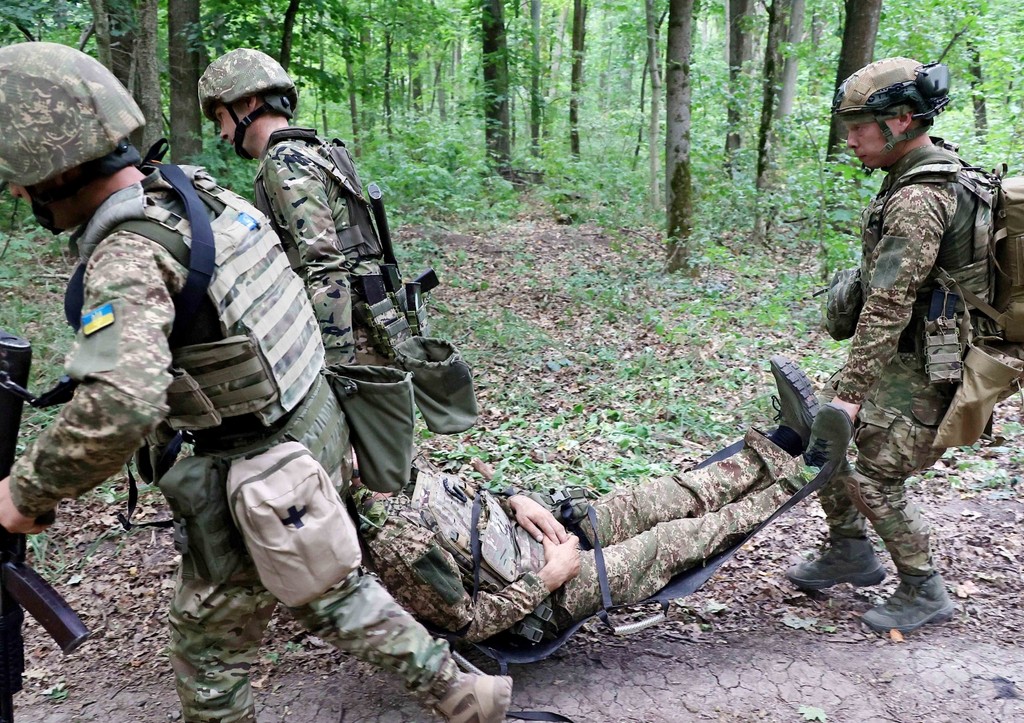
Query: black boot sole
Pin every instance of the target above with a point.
(860, 579)
(798, 381)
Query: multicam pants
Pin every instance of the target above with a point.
(894, 434)
(653, 532)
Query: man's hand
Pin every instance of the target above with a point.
(10, 518)
(561, 562)
(537, 520)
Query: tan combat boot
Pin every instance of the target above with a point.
(475, 698)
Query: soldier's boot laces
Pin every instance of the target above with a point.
(476, 698)
(796, 403)
(832, 434)
(919, 600)
(847, 559)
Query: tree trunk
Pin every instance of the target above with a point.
(185, 64)
(770, 92)
(579, 31)
(495, 60)
(654, 64)
(678, 172)
(536, 99)
(387, 81)
(353, 104)
(741, 51)
(287, 33)
(859, 32)
(415, 81)
(978, 92)
(789, 73)
(148, 86)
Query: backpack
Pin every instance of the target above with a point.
(1003, 207)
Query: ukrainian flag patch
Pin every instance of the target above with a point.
(98, 318)
(248, 221)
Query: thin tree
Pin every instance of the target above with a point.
(777, 13)
(536, 98)
(794, 35)
(185, 63)
(678, 171)
(579, 32)
(287, 33)
(977, 92)
(741, 52)
(860, 30)
(654, 66)
(495, 62)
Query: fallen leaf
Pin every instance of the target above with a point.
(799, 623)
(896, 636)
(809, 712)
(966, 589)
(483, 469)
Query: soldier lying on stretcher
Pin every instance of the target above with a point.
(420, 546)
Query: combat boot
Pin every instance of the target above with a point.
(847, 559)
(797, 403)
(831, 434)
(919, 600)
(475, 698)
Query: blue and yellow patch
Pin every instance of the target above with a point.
(98, 318)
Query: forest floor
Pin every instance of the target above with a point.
(592, 366)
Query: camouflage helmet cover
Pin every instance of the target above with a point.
(240, 74)
(59, 108)
(893, 86)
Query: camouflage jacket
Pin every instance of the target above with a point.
(309, 210)
(902, 234)
(113, 409)
(427, 581)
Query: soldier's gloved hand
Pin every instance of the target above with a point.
(831, 434)
(537, 520)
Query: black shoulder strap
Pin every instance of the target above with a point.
(201, 259)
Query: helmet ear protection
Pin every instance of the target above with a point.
(932, 82)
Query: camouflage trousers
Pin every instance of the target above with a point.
(653, 532)
(216, 631)
(894, 433)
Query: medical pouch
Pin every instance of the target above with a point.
(378, 404)
(442, 382)
(295, 525)
(989, 375)
(211, 547)
(843, 304)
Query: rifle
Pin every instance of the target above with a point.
(427, 280)
(21, 587)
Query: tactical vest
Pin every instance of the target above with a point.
(507, 552)
(359, 240)
(967, 240)
(256, 348)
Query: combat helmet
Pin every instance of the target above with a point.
(240, 74)
(891, 87)
(61, 109)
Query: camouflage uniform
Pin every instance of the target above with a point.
(309, 210)
(122, 364)
(649, 534)
(907, 235)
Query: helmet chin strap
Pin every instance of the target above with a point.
(891, 141)
(241, 126)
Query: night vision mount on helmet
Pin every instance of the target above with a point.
(890, 88)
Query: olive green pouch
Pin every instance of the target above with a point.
(442, 381)
(204, 533)
(378, 404)
(843, 304)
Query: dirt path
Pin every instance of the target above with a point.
(747, 647)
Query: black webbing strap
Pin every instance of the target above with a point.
(133, 501)
(202, 254)
(602, 572)
(474, 544)
(542, 715)
(201, 260)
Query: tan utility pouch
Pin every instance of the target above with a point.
(987, 376)
(295, 524)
